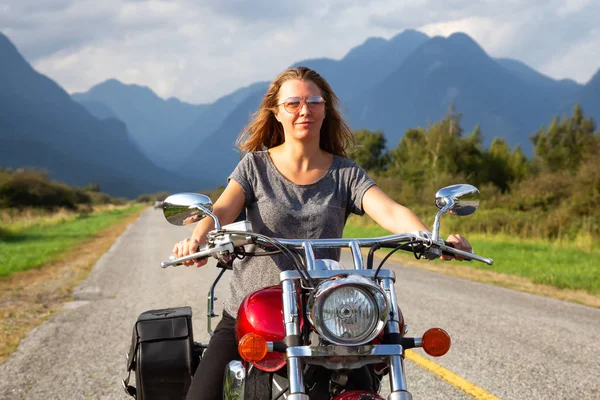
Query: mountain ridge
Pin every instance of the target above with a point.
(406, 81)
(36, 110)
(151, 120)
(457, 71)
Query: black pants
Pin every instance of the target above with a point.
(207, 383)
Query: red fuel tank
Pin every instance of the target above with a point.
(261, 312)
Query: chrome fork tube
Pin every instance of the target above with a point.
(235, 380)
(292, 331)
(393, 321)
(295, 375)
(397, 377)
(290, 308)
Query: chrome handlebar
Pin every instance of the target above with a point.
(307, 245)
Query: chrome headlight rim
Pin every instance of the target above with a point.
(366, 286)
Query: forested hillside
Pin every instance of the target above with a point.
(553, 194)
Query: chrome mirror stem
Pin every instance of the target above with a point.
(209, 213)
(436, 222)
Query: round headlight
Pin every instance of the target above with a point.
(348, 311)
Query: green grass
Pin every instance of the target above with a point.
(558, 265)
(23, 248)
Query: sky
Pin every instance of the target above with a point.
(200, 50)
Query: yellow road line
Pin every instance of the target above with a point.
(449, 376)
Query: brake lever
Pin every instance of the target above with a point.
(175, 262)
(202, 254)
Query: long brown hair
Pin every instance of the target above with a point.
(264, 131)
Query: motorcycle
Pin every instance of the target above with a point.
(339, 331)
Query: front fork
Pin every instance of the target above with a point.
(397, 376)
(295, 365)
(234, 381)
(291, 320)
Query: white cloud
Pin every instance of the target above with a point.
(559, 38)
(201, 50)
(493, 36)
(581, 60)
(572, 7)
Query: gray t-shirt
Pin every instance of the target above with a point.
(279, 208)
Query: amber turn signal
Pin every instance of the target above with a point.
(436, 342)
(252, 347)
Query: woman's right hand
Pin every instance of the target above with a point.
(185, 248)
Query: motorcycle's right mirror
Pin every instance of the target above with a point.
(461, 200)
(187, 208)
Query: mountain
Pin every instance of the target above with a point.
(408, 81)
(68, 169)
(456, 70)
(530, 75)
(154, 124)
(360, 68)
(367, 64)
(99, 109)
(204, 127)
(41, 126)
(589, 98)
(217, 155)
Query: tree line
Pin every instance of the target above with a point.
(553, 193)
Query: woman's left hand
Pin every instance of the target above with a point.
(459, 243)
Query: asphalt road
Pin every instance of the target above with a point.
(513, 345)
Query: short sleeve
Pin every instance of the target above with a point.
(244, 175)
(359, 183)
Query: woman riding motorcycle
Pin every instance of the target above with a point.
(295, 182)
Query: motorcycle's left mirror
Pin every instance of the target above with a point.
(186, 208)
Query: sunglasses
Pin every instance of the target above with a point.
(293, 104)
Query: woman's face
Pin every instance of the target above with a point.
(305, 123)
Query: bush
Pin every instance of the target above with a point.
(32, 188)
(545, 191)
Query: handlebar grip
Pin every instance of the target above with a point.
(447, 253)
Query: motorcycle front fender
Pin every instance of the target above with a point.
(358, 395)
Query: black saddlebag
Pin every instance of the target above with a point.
(162, 355)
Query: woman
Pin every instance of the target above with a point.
(295, 182)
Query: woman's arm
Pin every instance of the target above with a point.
(227, 207)
(390, 215)
(396, 218)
